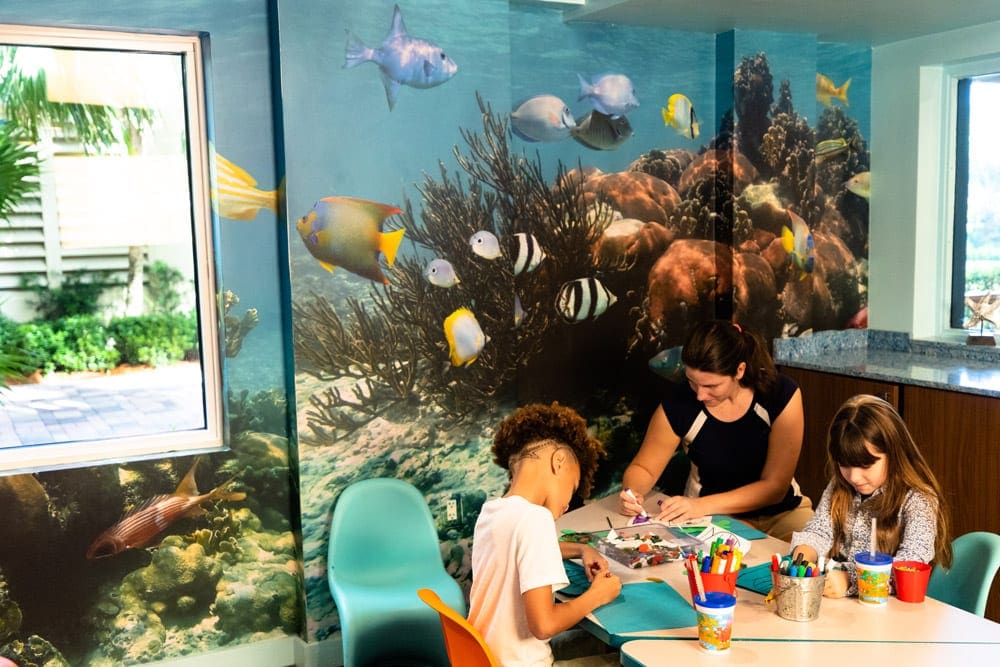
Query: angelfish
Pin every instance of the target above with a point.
(402, 60)
(138, 528)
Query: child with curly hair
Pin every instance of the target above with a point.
(516, 554)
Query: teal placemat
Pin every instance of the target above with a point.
(646, 606)
(737, 527)
(756, 578)
(578, 582)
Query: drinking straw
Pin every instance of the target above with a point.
(698, 583)
(871, 547)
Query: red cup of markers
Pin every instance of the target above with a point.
(911, 578)
(722, 583)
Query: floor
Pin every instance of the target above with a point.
(91, 406)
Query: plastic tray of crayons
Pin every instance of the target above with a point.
(648, 544)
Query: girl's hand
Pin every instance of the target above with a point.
(630, 503)
(593, 561)
(835, 585)
(606, 585)
(678, 508)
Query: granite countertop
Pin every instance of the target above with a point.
(891, 356)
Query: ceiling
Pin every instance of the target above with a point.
(867, 21)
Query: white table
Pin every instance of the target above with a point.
(840, 620)
(656, 653)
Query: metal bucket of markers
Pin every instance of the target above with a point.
(797, 598)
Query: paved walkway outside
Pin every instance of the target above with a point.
(68, 408)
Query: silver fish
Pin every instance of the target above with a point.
(601, 132)
(485, 244)
(612, 94)
(441, 273)
(582, 299)
(542, 118)
(403, 60)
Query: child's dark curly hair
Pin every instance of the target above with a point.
(535, 422)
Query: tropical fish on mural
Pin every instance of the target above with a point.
(798, 243)
(402, 60)
(668, 363)
(529, 253)
(829, 149)
(465, 337)
(860, 184)
(347, 232)
(826, 91)
(441, 273)
(601, 132)
(235, 195)
(485, 244)
(611, 94)
(542, 118)
(138, 528)
(583, 299)
(679, 114)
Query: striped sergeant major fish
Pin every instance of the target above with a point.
(138, 528)
(583, 299)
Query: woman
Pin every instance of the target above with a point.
(741, 424)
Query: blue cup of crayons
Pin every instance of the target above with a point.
(798, 588)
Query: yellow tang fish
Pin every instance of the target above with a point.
(465, 337)
(860, 184)
(347, 232)
(826, 91)
(235, 195)
(679, 112)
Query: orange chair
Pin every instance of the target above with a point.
(463, 642)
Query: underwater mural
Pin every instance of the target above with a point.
(550, 236)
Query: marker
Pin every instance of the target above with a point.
(642, 512)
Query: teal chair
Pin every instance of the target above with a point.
(383, 549)
(975, 560)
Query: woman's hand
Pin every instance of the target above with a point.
(835, 585)
(593, 561)
(630, 503)
(674, 509)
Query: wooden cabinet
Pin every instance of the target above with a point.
(958, 433)
(822, 395)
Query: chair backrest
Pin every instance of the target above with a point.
(975, 560)
(465, 645)
(380, 528)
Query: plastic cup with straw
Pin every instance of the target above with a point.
(873, 573)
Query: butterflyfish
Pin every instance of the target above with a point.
(582, 299)
(798, 243)
(485, 244)
(826, 91)
(138, 528)
(611, 94)
(402, 60)
(679, 113)
(465, 337)
(542, 118)
(235, 195)
(860, 184)
(441, 273)
(347, 232)
(529, 253)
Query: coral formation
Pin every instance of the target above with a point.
(753, 93)
(236, 328)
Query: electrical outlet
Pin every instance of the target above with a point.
(451, 510)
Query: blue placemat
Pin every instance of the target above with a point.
(578, 582)
(646, 606)
(737, 527)
(756, 578)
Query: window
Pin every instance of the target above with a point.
(976, 249)
(107, 257)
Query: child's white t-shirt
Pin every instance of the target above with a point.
(515, 549)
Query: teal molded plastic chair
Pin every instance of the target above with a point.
(975, 560)
(383, 548)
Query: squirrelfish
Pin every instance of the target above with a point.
(347, 232)
(465, 337)
(611, 94)
(138, 528)
(601, 132)
(826, 91)
(582, 299)
(402, 60)
(679, 113)
(236, 196)
(860, 184)
(798, 243)
(542, 118)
